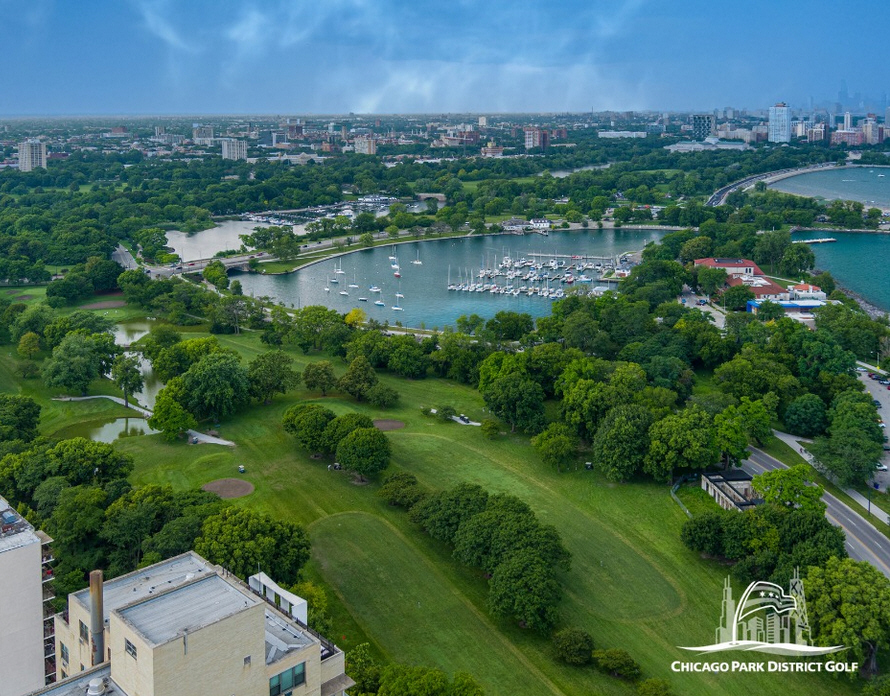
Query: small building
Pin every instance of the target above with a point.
(805, 291)
(733, 267)
(539, 224)
(732, 489)
(762, 287)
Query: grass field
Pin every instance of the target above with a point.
(632, 584)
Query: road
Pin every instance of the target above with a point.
(864, 542)
(123, 257)
(692, 301)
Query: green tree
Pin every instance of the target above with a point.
(19, 417)
(81, 461)
(573, 646)
(770, 248)
(696, 248)
(770, 311)
(402, 489)
(29, 345)
(731, 436)
(126, 373)
(170, 416)
(797, 259)
(848, 603)
(806, 416)
(75, 362)
(216, 386)
(363, 669)
(315, 327)
(622, 441)
(523, 587)
(341, 426)
(308, 423)
(271, 373)
(710, 280)
(382, 396)
(215, 273)
(736, 298)
(792, 487)
(441, 514)
(358, 378)
(243, 540)
(557, 445)
(517, 400)
(366, 451)
(681, 441)
(617, 662)
(654, 687)
(319, 376)
(490, 428)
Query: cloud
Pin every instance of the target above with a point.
(155, 16)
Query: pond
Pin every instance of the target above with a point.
(125, 334)
(109, 431)
(206, 243)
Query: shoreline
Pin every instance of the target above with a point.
(871, 309)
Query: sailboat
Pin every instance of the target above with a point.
(399, 293)
(353, 283)
(343, 292)
(396, 307)
(338, 269)
(417, 261)
(380, 303)
(374, 288)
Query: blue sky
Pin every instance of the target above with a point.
(385, 56)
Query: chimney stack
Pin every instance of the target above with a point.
(97, 618)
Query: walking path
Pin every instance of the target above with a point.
(192, 434)
(792, 441)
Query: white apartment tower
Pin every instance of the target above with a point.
(848, 121)
(25, 664)
(233, 149)
(32, 155)
(365, 146)
(780, 123)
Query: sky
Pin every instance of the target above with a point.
(426, 56)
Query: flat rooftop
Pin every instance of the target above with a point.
(15, 530)
(147, 582)
(283, 637)
(187, 609)
(77, 684)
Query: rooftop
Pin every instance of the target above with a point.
(147, 582)
(283, 637)
(15, 530)
(186, 609)
(77, 684)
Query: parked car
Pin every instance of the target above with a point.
(881, 467)
(240, 468)
(463, 418)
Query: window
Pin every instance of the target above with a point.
(287, 680)
(84, 632)
(130, 648)
(247, 661)
(64, 652)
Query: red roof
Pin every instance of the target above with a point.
(730, 264)
(806, 287)
(762, 288)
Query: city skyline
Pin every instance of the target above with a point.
(170, 57)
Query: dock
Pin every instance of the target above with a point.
(820, 240)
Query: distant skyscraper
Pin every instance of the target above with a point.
(234, 149)
(365, 146)
(32, 155)
(848, 121)
(483, 121)
(703, 126)
(780, 123)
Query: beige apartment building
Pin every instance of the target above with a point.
(186, 626)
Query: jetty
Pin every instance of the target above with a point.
(820, 240)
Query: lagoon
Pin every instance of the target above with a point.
(427, 302)
(867, 185)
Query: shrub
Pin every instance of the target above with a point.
(402, 489)
(445, 413)
(573, 646)
(382, 396)
(617, 662)
(655, 687)
(490, 429)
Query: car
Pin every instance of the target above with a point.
(881, 467)
(882, 424)
(885, 382)
(860, 369)
(261, 253)
(877, 403)
(886, 447)
(683, 300)
(240, 468)
(702, 303)
(191, 264)
(463, 418)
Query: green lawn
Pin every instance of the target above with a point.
(632, 584)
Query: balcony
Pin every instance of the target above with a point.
(48, 557)
(49, 648)
(48, 575)
(49, 629)
(48, 594)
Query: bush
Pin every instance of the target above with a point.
(490, 429)
(382, 396)
(426, 411)
(617, 662)
(402, 489)
(655, 687)
(573, 646)
(445, 413)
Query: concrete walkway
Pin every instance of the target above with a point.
(192, 434)
(792, 441)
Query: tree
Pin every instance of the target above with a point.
(704, 533)
(341, 426)
(523, 587)
(314, 327)
(358, 378)
(83, 461)
(654, 687)
(770, 311)
(848, 603)
(126, 373)
(363, 669)
(517, 400)
(402, 489)
(806, 416)
(215, 273)
(170, 417)
(441, 514)
(696, 248)
(797, 259)
(622, 441)
(243, 540)
(731, 436)
(19, 417)
(75, 363)
(736, 298)
(271, 373)
(308, 423)
(792, 487)
(404, 680)
(557, 445)
(319, 376)
(382, 396)
(355, 317)
(847, 455)
(216, 386)
(365, 451)
(710, 280)
(681, 441)
(29, 345)
(490, 429)
(617, 662)
(510, 326)
(770, 248)
(235, 288)
(573, 646)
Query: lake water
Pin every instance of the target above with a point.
(206, 243)
(862, 184)
(127, 333)
(427, 300)
(856, 261)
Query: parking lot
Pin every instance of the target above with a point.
(880, 393)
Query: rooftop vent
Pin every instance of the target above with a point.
(96, 687)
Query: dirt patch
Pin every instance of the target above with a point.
(388, 424)
(229, 487)
(22, 298)
(106, 304)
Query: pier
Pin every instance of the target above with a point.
(820, 240)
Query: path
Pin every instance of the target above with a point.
(864, 542)
(192, 434)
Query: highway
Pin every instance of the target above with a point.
(864, 542)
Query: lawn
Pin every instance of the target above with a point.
(632, 584)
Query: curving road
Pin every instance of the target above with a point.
(864, 542)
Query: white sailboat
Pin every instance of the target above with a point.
(380, 303)
(343, 292)
(417, 261)
(353, 284)
(338, 268)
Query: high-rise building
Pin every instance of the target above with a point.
(536, 137)
(233, 149)
(703, 126)
(870, 132)
(848, 121)
(26, 636)
(32, 155)
(779, 123)
(887, 116)
(365, 146)
(186, 626)
(483, 121)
